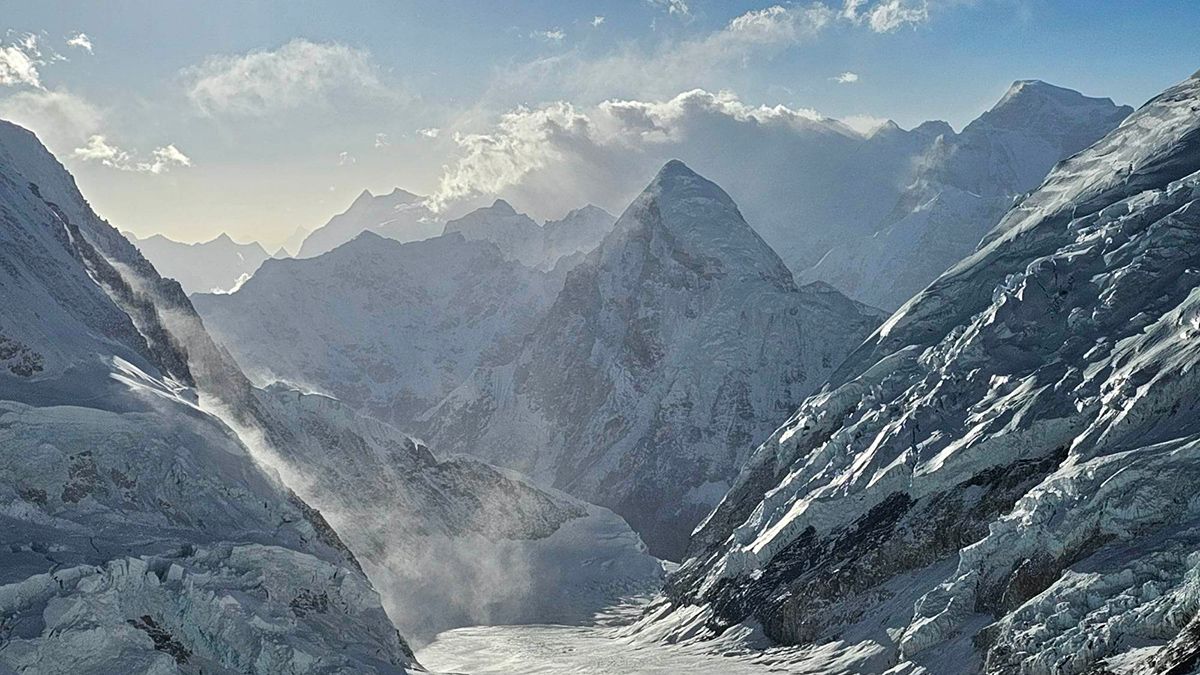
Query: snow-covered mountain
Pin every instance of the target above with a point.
(139, 534)
(673, 348)
(217, 265)
(158, 510)
(390, 328)
(964, 184)
(1002, 478)
(538, 246)
(398, 215)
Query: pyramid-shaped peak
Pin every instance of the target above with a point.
(675, 168)
(675, 183)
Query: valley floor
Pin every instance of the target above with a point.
(598, 649)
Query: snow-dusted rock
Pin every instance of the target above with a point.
(1019, 442)
(673, 348)
(964, 184)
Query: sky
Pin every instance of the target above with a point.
(256, 117)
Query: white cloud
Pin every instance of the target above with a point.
(80, 40)
(675, 65)
(555, 35)
(679, 7)
(845, 78)
(99, 150)
(162, 159)
(430, 132)
(59, 118)
(345, 158)
(381, 140)
(19, 62)
(597, 21)
(559, 156)
(887, 15)
(297, 74)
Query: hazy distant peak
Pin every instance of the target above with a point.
(362, 198)
(934, 128)
(502, 208)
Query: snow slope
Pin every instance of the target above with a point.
(219, 265)
(398, 215)
(964, 184)
(676, 345)
(389, 328)
(139, 534)
(1002, 477)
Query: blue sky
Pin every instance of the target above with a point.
(257, 117)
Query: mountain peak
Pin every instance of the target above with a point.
(933, 128)
(701, 219)
(676, 183)
(1033, 93)
(501, 207)
(672, 169)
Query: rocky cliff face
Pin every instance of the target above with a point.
(672, 348)
(1000, 478)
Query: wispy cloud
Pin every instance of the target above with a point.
(381, 140)
(845, 78)
(597, 21)
(553, 35)
(674, 65)
(161, 160)
(679, 7)
(297, 74)
(429, 132)
(80, 40)
(887, 15)
(60, 118)
(346, 159)
(19, 62)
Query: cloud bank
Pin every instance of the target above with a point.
(264, 82)
(556, 157)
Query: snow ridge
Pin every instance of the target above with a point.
(1014, 447)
